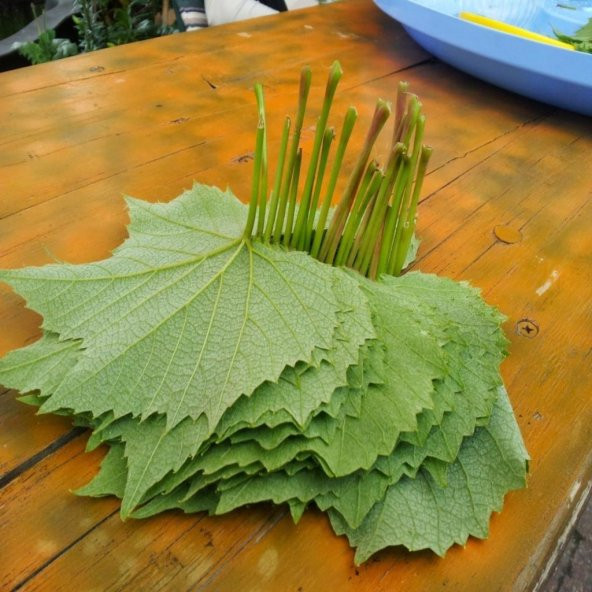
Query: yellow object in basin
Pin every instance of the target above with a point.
(512, 29)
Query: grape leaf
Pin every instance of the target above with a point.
(470, 333)
(153, 450)
(40, 366)
(185, 317)
(301, 391)
(112, 476)
(419, 514)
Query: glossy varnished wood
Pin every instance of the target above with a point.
(149, 118)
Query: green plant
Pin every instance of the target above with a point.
(47, 48)
(105, 23)
(100, 24)
(581, 39)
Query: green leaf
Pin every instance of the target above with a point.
(585, 33)
(471, 337)
(40, 366)
(112, 476)
(581, 39)
(296, 510)
(153, 451)
(197, 316)
(302, 390)
(419, 514)
(205, 501)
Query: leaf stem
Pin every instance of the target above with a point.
(410, 120)
(348, 125)
(255, 186)
(288, 230)
(263, 171)
(392, 214)
(409, 226)
(275, 192)
(302, 220)
(373, 271)
(396, 256)
(361, 233)
(327, 141)
(400, 108)
(376, 220)
(333, 236)
(305, 79)
(355, 217)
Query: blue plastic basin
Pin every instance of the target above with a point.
(543, 72)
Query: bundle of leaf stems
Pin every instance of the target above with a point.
(372, 225)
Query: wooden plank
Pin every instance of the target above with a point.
(309, 31)
(25, 434)
(169, 552)
(499, 161)
(39, 516)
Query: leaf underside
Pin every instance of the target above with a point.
(222, 371)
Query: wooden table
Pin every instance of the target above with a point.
(146, 120)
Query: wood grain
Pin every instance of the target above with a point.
(40, 517)
(149, 118)
(25, 434)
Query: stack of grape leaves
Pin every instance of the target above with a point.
(222, 368)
